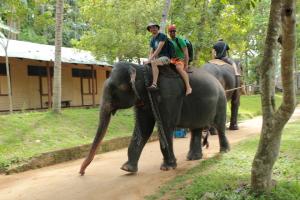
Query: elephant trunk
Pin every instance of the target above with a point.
(105, 115)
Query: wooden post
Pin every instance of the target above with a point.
(49, 85)
(93, 84)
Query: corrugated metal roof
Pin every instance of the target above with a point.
(34, 51)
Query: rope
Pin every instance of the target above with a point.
(237, 88)
(157, 117)
(155, 111)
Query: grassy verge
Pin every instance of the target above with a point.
(226, 177)
(250, 106)
(24, 135)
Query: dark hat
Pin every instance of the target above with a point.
(152, 24)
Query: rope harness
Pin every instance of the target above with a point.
(155, 111)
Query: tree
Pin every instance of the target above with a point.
(117, 28)
(57, 64)
(275, 120)
(4, 43)
(165, 16)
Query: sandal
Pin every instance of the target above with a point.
(153, 87)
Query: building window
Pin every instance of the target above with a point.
(3, 69)
(3, 80)
(107, 74)
(86, 78)
(38, 71)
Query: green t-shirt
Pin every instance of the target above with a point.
(179, 52)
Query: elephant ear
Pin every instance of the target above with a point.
(132, 74)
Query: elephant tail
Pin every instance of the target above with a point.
(205, 135)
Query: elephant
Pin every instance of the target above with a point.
(225, 74)
(127, 87)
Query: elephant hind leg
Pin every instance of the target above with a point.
(220, 125)
(195, 152)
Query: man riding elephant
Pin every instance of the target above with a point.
(220, 50)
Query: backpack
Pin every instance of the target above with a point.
(189, 47)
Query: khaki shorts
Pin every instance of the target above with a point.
(164, 60)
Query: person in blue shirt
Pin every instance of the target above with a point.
(160, 52)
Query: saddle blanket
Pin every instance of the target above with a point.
(218, 62)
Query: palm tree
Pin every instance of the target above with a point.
(57, 64)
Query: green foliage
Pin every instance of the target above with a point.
(36, 20)
(226, 177)
(118, 27)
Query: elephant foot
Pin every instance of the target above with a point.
(213, 131)
(224, 149)
(233, 127)
(166, 166)
(194, 156)
(129, 167)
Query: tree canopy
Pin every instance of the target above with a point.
(116, 29)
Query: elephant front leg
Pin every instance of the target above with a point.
(195, 152)
(143, 129)
(169, 160)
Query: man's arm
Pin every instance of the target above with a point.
(156, 52)
(213, 53)
(150, 54)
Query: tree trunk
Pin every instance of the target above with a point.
(8, 78)
(165, 16)
(201, 25)
(273, 122)
(57, 64)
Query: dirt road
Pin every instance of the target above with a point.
(104, 180)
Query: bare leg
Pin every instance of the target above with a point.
(185, 77)
(235, 69)
(231, 62)
(155, 72)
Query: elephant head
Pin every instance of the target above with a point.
(119, 92)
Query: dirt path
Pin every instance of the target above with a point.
(103, 178)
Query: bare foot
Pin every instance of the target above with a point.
(188, 91)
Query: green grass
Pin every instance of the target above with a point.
(226, 177)
(250, 106)
(24, 135)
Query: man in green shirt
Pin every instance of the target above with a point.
(182, 56)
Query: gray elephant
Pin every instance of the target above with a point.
(226, 75)
(126, 87)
